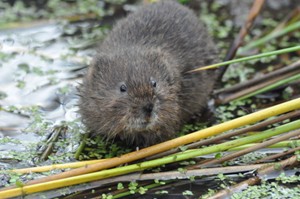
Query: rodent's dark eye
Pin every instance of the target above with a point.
(123, 88)
(153, 82)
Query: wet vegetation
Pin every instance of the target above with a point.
(45, 47)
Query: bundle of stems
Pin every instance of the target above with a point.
(102, 169)
(284, 76)
(270, 81)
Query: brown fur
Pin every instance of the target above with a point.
(149, 52)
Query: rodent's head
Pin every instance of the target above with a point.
(131, 94)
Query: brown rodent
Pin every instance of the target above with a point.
(137, 88)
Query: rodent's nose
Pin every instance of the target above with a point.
(148, 108)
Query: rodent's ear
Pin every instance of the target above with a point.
(164, 57)
(101, 57)
(166, 64)
(101, 61)
(99, 64)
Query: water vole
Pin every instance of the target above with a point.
(137, 88)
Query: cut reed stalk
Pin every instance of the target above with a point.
(27, 189)
(248, 119)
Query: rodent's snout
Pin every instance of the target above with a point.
(148, 108)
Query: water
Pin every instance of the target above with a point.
(38, 81)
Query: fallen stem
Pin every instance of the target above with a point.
(269, 87)
(198, 172)
(55, 166)
(278, 155)
(253, 13)
(81, 146)
(267, 54)
(264, 170)
(273, 35)
(250, 149)
(287, 69)
(283, 144)
(257, 89)
(27, 189)
(235, 123)
(230, 134)
(50, 143)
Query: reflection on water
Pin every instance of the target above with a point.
(37, 87)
